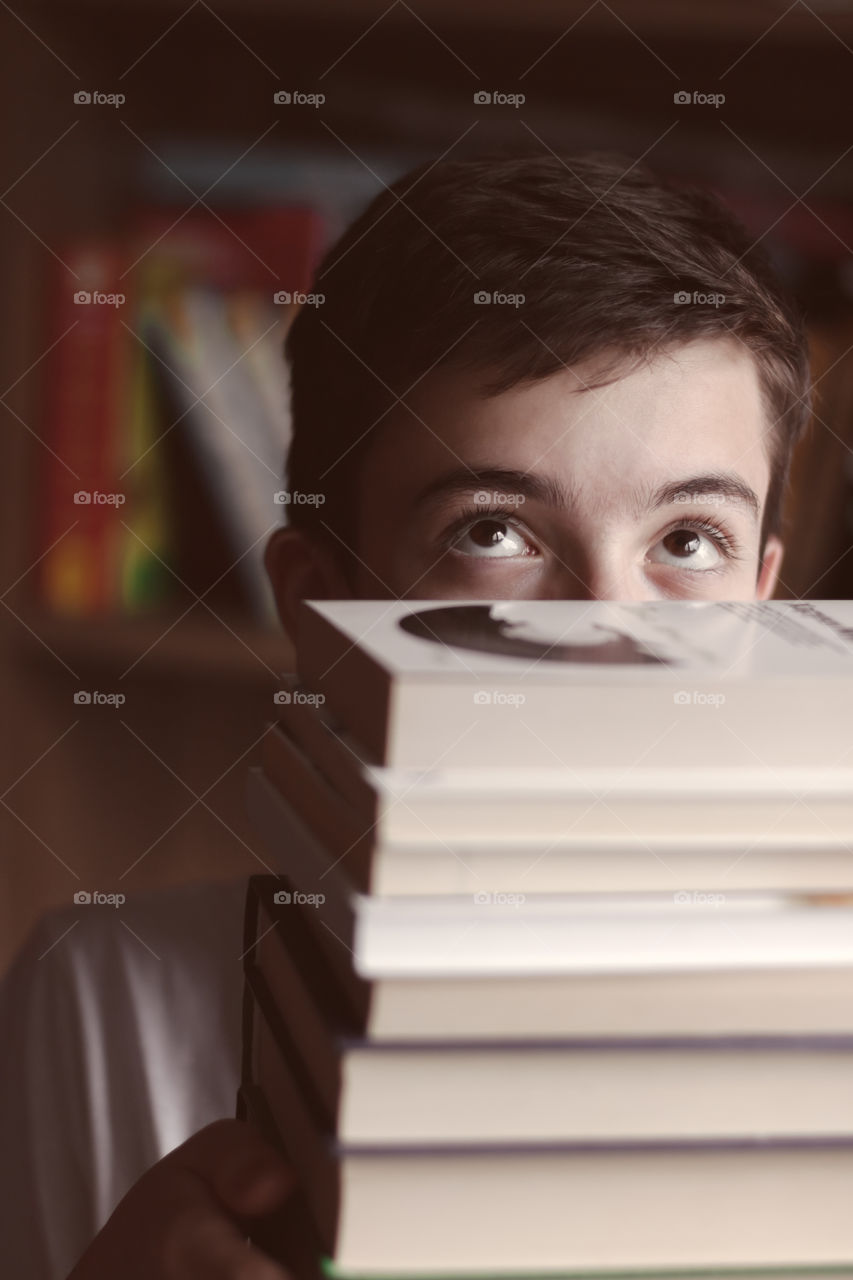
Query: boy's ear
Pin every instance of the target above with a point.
(771, 563)
(299, 568)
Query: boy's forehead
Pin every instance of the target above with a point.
(692, 409)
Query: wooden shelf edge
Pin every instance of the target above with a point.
(160, 645)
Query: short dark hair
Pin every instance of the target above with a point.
(599, 246)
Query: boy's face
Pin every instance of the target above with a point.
(651, 487)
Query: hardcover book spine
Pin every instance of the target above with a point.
(81, 502)
(286, 1235)
(357, 690)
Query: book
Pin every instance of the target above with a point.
(365, 1201)
(309, 971)
(613, 1045)
(185, 300)
(288, 1233)
(429, 1091)
(490, 933)
(374, 1207)
(604, 685)
(402, 831)
(82, 493)
(211, 391)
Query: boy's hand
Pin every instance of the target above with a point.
(182, 1219)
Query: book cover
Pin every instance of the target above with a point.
(585, 685)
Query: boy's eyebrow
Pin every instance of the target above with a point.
(724, 485)
(552, 493)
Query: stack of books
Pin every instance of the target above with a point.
(554, 974)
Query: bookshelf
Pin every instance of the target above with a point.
(202, 76)
(198, 648)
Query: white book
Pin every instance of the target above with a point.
(583, 685)
(555, 1089)
(504, 805)
(399, 832)
(586, 1207)
(485, 934)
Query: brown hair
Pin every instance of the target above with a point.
(601, 249)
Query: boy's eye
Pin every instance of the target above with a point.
(491, 537)
(690, 548)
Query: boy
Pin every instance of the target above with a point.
(530, 378)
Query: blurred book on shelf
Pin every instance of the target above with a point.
(166, 415)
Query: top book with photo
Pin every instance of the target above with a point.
(583, 684)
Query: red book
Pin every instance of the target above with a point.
(81, 503)
(267, 249)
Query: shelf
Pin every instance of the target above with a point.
(671, 17)
(194, 647)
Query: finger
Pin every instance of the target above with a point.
(206, 1244)
(239, 1164)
